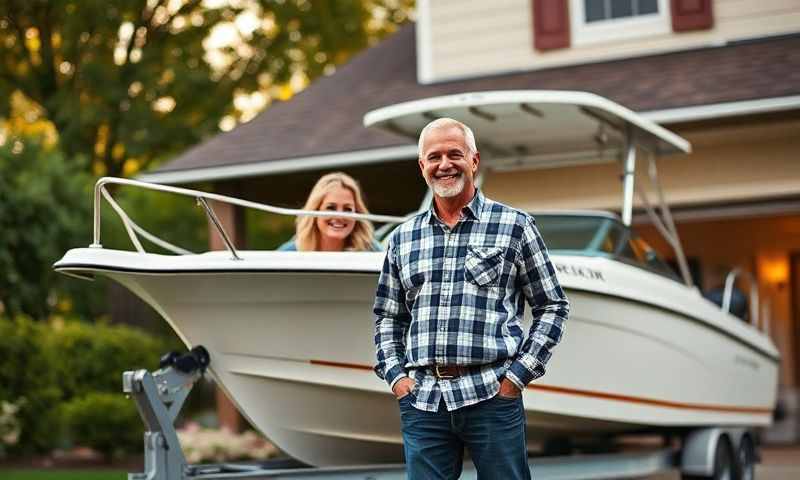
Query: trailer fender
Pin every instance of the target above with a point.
(699, 446)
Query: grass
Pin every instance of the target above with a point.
(54, 474)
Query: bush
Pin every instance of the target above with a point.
(106, 422)
(66, 372)
(27, 380)
(92, 357)
(9, 425)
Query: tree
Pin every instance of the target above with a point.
(44, 211)
(129, 82)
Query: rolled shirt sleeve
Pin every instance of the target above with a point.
(536, 276)
(392, 320)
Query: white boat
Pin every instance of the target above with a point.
(290, 334)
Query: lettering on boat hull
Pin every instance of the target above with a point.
(578, 271)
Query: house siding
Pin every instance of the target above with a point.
(751, 162)
(471, 38)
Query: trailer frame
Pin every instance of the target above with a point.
(160, 395)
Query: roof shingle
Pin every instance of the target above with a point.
(327, 116)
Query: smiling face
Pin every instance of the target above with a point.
(447, 164)
(338, 199)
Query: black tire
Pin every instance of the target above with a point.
(724, 463)
(746, 459)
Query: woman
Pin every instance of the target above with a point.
(334, 192)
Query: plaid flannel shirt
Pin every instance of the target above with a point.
(456, 296)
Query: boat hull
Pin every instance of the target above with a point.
(296, 359)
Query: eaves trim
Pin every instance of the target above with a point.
(721, 110)
(379, 155)
(271, 167)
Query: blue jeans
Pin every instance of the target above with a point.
(493, 431)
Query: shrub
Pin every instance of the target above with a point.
(9, 425)
(92, 357)
(27, 380)
(79, 365)
(106, 422)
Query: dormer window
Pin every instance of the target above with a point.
(601, 21)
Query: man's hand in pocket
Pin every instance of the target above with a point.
(508, 389)
(403, 387)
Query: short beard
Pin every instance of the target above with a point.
(447, 192)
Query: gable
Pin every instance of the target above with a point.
(470, 38)
(324, 122)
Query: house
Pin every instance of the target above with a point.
(724, 74)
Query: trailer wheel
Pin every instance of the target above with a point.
(746, 459)
(724, 467)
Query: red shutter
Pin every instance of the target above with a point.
(550, 24)
(691, 15)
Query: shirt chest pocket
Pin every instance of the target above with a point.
(484, 266)
(413, 285)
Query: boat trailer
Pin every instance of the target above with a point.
(160, 395)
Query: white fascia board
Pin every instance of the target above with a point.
(721, 110)
(316, 162)
(666, 116)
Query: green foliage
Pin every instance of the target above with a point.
(138, 80)
(93, 356)
(106, 422)
(72, 363)
(180, 221)
(44, 210)
(27, 379)
(266, 231)
(174, 218)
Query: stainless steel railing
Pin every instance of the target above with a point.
(755, 311)
(134, 230)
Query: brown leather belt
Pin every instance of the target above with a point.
(448, 372)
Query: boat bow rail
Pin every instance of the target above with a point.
(134, 230)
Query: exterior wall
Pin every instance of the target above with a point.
(732, 163)
(466, 38)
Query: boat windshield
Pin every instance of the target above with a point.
(599, 236)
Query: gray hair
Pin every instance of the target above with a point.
(445, 122)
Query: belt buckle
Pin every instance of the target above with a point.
(441, 375)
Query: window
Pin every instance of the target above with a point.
(597, 21)
(599, 10)
(598, 235)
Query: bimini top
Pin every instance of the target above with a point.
(545, 127)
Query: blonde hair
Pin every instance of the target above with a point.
(308, 235)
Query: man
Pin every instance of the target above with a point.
(448, 308)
